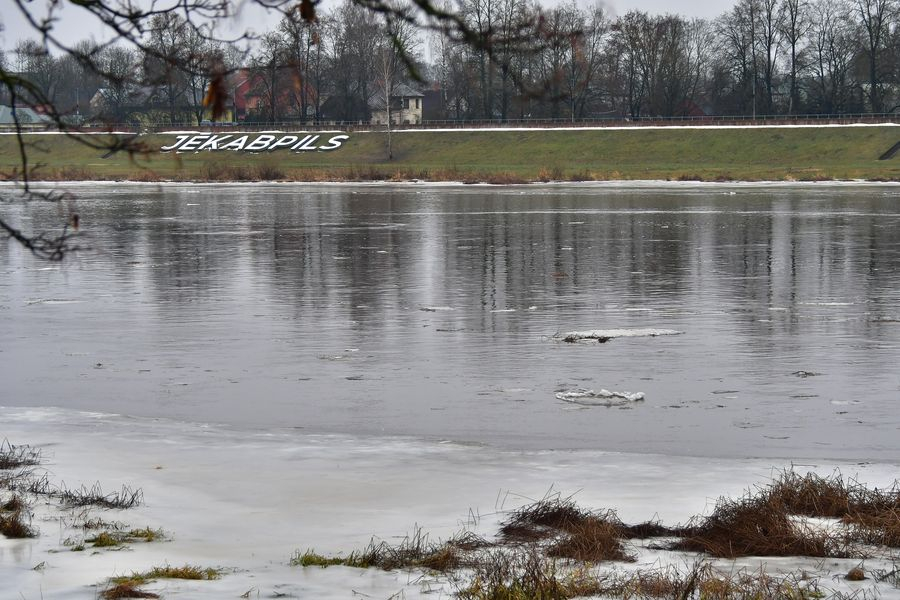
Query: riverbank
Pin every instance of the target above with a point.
(771, 153)
(244, 502)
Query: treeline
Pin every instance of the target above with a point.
(761, 57)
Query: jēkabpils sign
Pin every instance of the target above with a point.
(264, 142)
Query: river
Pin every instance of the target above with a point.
(434, 312)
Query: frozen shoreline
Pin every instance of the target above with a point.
(638, 184)
(246, 501)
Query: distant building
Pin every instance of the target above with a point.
(128, 103)
(406, 107)
(25, 116)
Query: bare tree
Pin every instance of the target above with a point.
(303, 51)
(586, 59)
(795, 25)
(874, 17)
(627, 42)
(165, 66)
(202, 61)
(354, 38)
(42, 69)
(737, 58)
(397, 43)
(769, 43)
(453, 75)
(483, 16)
(833, 46)
(269, 74)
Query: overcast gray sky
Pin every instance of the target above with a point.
(75, 24)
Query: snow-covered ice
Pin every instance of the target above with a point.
(601, 398)
(608, 334)
(247, 500)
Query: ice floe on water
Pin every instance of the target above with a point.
(51, 301)
(827, 303)
(435, 308)
(604, 335)
(600, 398)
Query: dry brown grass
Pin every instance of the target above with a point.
(812, 495)
(14, 504)
(762, 522)
(531, 576)
(526, 576)
(547, 549)
(216, 171)
(13, 525)
(591, 540)
(190, 572)
(577, 534)
(759, 525)
(881, 527)
(414, 551)
(125, 590)
(14, 457)
(649, 529)
(94, 496)
(543, 519)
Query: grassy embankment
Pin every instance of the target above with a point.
(803, 154)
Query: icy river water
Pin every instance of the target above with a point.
(434, 312)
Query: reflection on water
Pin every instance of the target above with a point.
(431, 311)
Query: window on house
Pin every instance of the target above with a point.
(417, 103)
(406, 103)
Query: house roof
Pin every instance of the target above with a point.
(404, 91)
(401, 90)
(25, 115)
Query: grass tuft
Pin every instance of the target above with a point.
(542, 519)
(312, 559)
(94, 496)
(759, 525)
(168, 572)
(763, 523)
(114, 538)
(592, 540)
(414, 551)
(104, 539)
(531, 576)
(879, 527)
(14, 457)
(526, 576)
(14, 504)
(125, 590)
(13, 525)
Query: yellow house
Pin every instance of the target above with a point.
(406, 107)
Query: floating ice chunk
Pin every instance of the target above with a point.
(435, 308)
(31, 301)
(805, 374)
(604, 335)
(601, 398)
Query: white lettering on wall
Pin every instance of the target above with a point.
(261, 143)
